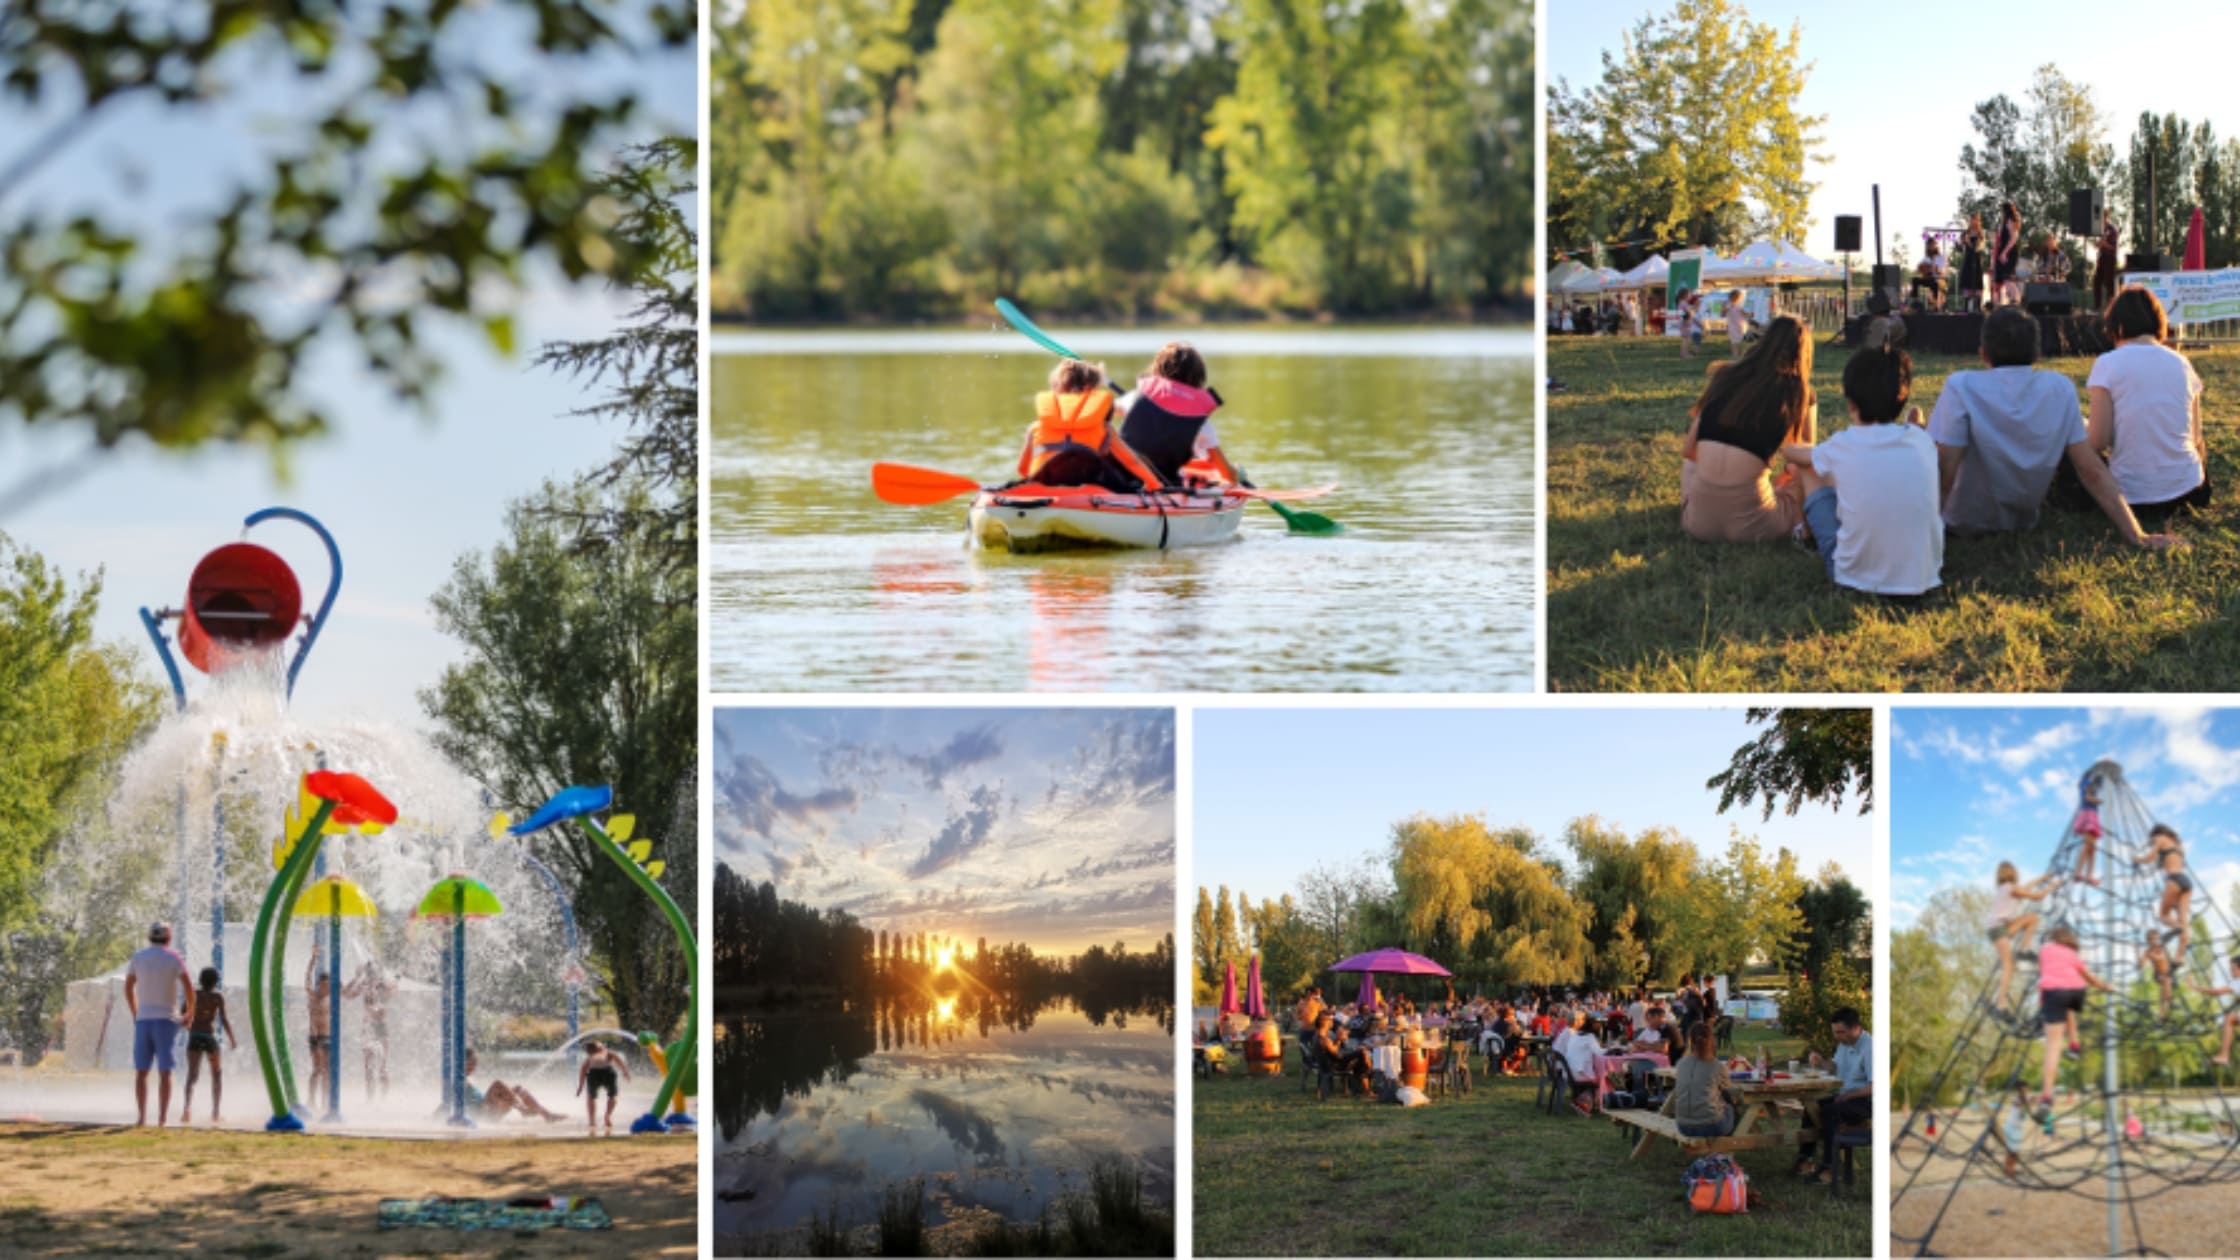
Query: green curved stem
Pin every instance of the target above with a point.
(673, 1079)
(279, 975)
(259, 1021)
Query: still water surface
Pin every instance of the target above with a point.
(999, 1112)
(815, 584)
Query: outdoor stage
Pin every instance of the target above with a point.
(2058, 335)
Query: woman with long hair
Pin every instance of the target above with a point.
(1752, 407)
(2006, 254)
(2104, 266)
(1971, 265)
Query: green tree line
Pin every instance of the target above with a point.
(1502, 907)
(894, 159)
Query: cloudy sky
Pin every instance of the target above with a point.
(1972, 787)
(1280, 791)
(1054, 827)
(1899, 82)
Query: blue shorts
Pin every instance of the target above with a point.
(155, 1041)
(1820, 517)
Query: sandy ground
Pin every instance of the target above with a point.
(79, 1189)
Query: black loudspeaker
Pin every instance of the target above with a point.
(2047, 299)
(1889, 278)
(1847, 234)
(2144, 263)
(2085, 209)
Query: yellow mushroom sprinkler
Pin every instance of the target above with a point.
(636, 862)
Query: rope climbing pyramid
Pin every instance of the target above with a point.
(2139, 1110)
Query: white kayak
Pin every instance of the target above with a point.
(1032, 518)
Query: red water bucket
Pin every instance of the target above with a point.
(241, 599)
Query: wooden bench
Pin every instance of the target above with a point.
(1654, 1124)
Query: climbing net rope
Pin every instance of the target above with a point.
(2140, 1110)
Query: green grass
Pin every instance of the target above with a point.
(1277, 1173)
(1635, 605)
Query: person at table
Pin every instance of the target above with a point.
(1653, 1037)
(1581, 1051)
(2010, 435)
(1310, 1007)
(1353, 1063)
(1637, 1011)
(1752, 407)
(2146, 412)
(1854, 1099)
(1702, 1102)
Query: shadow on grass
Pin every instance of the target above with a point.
(1635, 605)
(1277, 1173)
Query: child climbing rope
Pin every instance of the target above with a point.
(2086, 825)
(2176, 910)
(2231, 1011)
(2156, 961)
(2062, 980)
(2010, 926)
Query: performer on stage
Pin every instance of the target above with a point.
(2053, 262)
(1930, 275)
(2006, 253)
(1971, 265)
(2104, 267)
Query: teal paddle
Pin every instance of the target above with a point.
(1297, 521)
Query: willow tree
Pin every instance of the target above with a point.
(1481, 903)
(1694, 135)
(1635, 886)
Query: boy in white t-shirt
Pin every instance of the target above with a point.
(1871, 490)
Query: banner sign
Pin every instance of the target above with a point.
(2193, 297)
(1686, 274)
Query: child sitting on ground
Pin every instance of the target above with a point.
(1072, 441)
(202, 1041)
(1871, 490)
(2062, 980)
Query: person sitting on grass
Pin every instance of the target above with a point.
(2009, 435)
(1702, 1101)
(1072, 441)
(2009, 926)
(1871, 490)
(2062, 981)
(1853, 1103)
(203, 1026)
(1168, 420)
(2231, 1012)
(2146, 411)
(1749, 410)
(502, 1100)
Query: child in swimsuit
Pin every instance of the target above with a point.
(2010, 926)
(2156, 960)
(599, 1071)
(315, 985)
(375, 988)
(2087, 825)
(2231, 1013)
(2176, 912)
(202, 1040)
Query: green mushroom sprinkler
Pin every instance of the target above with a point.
(580, 803)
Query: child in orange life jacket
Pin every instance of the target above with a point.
(1168, 419)
(1072, 441)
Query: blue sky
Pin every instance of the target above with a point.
(1054, 827)
(1280, 791)
(1971, 787)
(404, 495)
(1898, 83)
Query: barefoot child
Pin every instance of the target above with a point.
(2156, 961)
(2231, 1013)
(322, 1039)
(2176, 910)
(2010, 926)
(2062, 981)
(202, 1041)
(1168, 419)
(599, 1069)
(2087, 826)
(502, 1099)
(1072, 441)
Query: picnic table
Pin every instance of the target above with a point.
(1609, 1064)
(1774, 1113)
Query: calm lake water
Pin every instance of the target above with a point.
(815, 584)
(1000, 1112)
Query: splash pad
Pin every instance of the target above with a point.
(188, 834)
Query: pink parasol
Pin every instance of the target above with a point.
(2197, 243)
(1228, 988)
(1255, 1001)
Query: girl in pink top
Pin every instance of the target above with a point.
(2062, 980)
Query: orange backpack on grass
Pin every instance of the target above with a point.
(1716, 1185)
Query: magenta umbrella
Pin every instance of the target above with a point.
(1228, 987)
(2197, 247)
(1368, 997)
(1391, 962)
(1255, 1001)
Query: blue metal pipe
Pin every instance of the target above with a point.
(154, 626)
(334, 581)
(334, 1020)
(459, 1003)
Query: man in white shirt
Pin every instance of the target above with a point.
(1651, 1037)
(159, 995)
